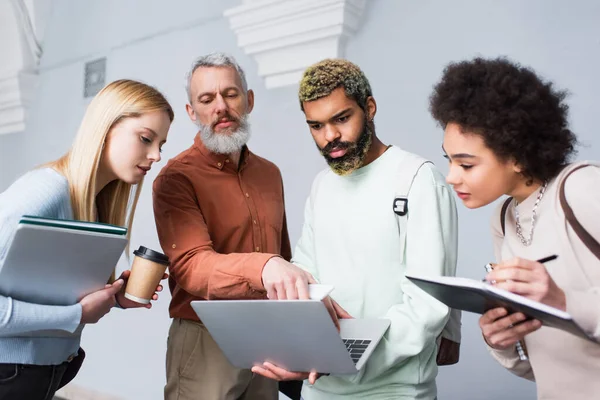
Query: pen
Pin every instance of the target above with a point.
(546, 259)
(520, 350)
(488, 266)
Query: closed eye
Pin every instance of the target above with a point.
(145, 139)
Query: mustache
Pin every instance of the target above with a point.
(227, 117)
(337, 144)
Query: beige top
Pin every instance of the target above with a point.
(562, 365)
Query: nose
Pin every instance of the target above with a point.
(154, 155)
(453, 177)
(220, 105)
(331, 133)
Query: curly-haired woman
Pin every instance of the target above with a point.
(506, 133)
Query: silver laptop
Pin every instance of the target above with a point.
(58, 262)
(297, 335)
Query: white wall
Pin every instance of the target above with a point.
(402, 46)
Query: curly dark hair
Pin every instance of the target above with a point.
(322, 78)
(518, 115)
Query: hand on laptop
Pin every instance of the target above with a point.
(285, 281)
(335, 311)
(97, 304)
(272, 371)
(124, 302)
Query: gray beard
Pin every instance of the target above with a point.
(225, 142)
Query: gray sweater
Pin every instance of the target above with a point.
(33, 333)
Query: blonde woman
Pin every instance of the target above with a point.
(99, 179)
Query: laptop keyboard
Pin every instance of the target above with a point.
(356, 348)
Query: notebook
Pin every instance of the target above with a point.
(57, 262)
(478, 297)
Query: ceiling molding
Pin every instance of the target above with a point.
(286, 36)
(22, 24)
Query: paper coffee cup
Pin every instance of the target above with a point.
(147, 271)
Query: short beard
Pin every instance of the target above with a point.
(225, 142)
(355, 154)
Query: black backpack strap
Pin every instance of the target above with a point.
(583, 235)
(503, 214)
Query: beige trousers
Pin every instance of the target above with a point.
(198, 370)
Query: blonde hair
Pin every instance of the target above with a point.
(116, 101)
(322, 78)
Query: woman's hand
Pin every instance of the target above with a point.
(502, 332)
(99, 303)
(124, 302)
(529, 279)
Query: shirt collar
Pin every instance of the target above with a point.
(221, 161)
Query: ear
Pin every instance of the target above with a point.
(371, 108)
(190, 112)
(516, 167)
(250, 100)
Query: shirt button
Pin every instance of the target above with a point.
(219, 164)
(227, 160)
(257, 248)
(247, 195)
(173, 246)
(254, 221)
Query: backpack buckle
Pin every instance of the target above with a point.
(400, 206)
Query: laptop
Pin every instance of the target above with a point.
(57, 262)
(297, 335)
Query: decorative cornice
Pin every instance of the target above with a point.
(21, 30)
(16, 92)
(287, 36)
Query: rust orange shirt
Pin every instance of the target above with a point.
(218, 223)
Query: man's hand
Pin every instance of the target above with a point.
(271, 371)
(124, 302)
(285, 281)
(501, 331)
(335, 311)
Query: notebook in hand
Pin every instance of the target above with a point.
(57, 262)
(478, 297)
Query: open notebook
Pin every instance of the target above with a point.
(478, 297)
(57, 262)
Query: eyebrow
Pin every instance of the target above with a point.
(462, 155)
(457, 155)
(338, 115)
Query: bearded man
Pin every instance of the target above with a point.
(220, 219)
(351, 239)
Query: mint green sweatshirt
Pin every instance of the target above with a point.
(350, 239)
